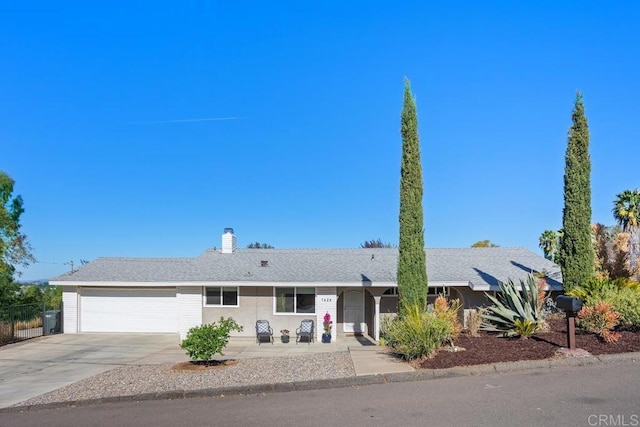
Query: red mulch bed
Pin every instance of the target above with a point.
(489, 348)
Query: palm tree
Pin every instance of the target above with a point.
(549, 244)
(626, 211)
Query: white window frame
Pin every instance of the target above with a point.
(295, 300)
(204, 296)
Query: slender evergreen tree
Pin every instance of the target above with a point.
(575, 254)
(412, 271)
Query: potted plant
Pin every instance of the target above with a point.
(327, 323)
(284, 335)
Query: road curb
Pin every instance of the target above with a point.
(355, 381)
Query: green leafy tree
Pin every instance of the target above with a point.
(375, 244)
(258, 245)
(53, 297)
(548, 242)
(484, 244)
(626, 211)
(31, 294)
(15, 249)
(9, 290)
(412, 271)
(575, 255)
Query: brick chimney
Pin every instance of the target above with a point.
(228, 241)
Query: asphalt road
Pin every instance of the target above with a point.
(595, 395)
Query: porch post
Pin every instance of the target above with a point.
(377, 319)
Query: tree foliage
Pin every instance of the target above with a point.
(548, 242)
(484, 244)
(15, 249)
(412, 271)
(375, 244)
(575, 254)
(626, 211)
(258, 245)
(611, 252)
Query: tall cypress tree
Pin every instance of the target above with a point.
(576, 252)
(412, 271)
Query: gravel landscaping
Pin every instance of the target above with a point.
(134, 380)
(137, 379)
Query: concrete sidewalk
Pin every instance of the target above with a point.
(368, 358)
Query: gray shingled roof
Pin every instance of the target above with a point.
(478, 266)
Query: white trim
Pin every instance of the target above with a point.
(111, 284)
(107, 284)
(239, 284)
(450, 284)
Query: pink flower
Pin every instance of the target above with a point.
(327, 323)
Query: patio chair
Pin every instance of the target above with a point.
(263, 331)
(305, 331)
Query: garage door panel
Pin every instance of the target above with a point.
(128, 310)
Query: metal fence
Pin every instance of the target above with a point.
(22, 322)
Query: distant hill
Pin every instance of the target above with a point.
(38, 282)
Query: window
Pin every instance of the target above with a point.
(438, 291)
(220, 295)
(295, 300)
(432, 292)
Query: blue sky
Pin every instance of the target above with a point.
(98, 109)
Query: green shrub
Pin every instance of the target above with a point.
(622, 295)
(417, 334)
(515, 311)
(592, 290)
(626, 301)
(204, 341)
(524, 328)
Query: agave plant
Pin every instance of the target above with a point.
(517, 309)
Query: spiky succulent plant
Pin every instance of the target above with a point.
(516, 309)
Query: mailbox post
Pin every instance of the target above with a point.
(571, 307)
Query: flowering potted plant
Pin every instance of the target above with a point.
(327, 323)
(284, 335)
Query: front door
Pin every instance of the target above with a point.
(353, 312)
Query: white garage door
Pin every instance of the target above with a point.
(128, 310)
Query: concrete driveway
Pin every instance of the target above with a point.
(36, 367)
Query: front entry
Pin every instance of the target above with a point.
(353, 312)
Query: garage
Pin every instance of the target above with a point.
(128, 310)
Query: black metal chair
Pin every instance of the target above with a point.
(305, 331)
(263, 331)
